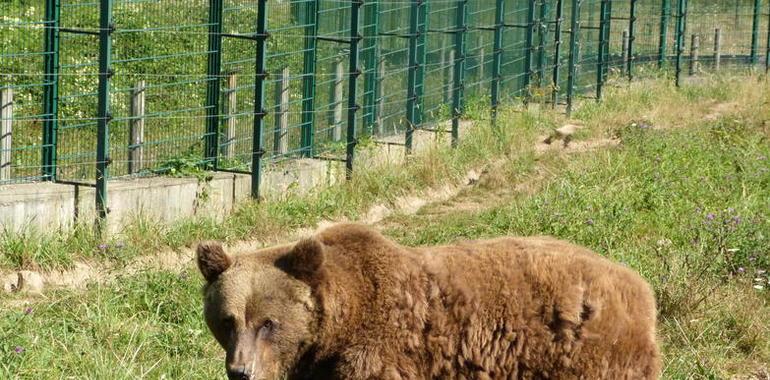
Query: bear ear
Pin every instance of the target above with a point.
(212, 260)
(305, 261)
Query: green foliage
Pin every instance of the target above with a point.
(147, 326)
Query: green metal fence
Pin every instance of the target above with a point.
(100, 89)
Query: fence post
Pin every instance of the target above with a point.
(308, 78)
(380, 97)
(458, 79)
(717, 49)
(608, 41)
(755, 32)
(604, 33)
(106, 27)
(631, 39)
(663, 42)
(694, 54)
(574, 43)
(542, 35)
(497, 58)
(355, 72)
(371, 51)
(624, 53)
(412, 96)
(681, 21)
(528, 55)
(422, 59)
(260, 76)
(231, 109)
(281, 131)
(136, 129)
(6, 132)
(450, 80)
(557, 52)
(214, 77)
(51, 88)
(767, 49)
(337, 91)
(482, 55)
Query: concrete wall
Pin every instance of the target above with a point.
(48, 207)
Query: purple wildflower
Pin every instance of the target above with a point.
(18, 349)
(28, 311)
(737, 220)
(710, 217)
(741, 270)
(102, 247)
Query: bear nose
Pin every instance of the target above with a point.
(238, 374)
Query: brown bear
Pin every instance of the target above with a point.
(350, 304)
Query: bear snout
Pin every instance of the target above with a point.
(238, 374)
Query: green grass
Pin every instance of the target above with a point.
(687, 207)
(140, 327)
(377, 183)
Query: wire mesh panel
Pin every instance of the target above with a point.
(739, 35)
(440, 57)
(480, 37)
(195, 82)
(79, 75)
(238, 74)
(160, 54)
(516, 49)
(395, 51)
(22, 82)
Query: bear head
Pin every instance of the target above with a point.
(260, 307)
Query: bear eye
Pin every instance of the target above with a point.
(268, 325)
(228, 322)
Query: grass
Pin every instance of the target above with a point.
(686, 206)
(33, 249)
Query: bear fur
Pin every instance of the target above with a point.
(350, 304)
